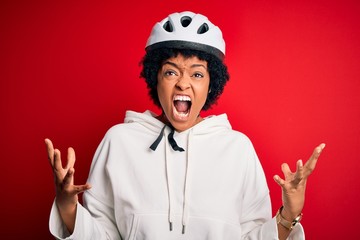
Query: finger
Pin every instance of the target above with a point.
(57, 160)
(299, 175)
(286, 170)
(70, 158)
(50, 151)
(311, 163)
(69, 177)
(81, 188)
(299, 168)
(279, 180)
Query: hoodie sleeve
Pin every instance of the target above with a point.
(86, 227)
(95, 219)
(256, 220)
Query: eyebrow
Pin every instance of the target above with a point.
(192, 66)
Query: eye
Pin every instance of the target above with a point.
(170, 73)
(198, 75)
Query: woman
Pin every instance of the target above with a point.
(177, 175)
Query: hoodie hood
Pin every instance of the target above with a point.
(210, 125)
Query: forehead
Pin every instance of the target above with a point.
(185, 61)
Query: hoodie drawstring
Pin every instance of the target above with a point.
(185, 214)
(170, 138)
(173, 142)
(175, 147)
(168, 179)
(158, 139)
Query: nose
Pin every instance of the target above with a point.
(183, 83)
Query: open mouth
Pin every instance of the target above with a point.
(182, 105)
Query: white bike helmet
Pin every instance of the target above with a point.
(187, 30)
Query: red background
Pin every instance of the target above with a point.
(69, 70)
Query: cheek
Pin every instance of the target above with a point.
(204, 98)
(162, 93)
(205, 91)
(202, 94)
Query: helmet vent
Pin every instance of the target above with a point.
(185, 21)
(168, 26)
(203, 28)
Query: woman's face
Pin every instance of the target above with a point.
(183, 85)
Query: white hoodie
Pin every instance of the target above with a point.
(214, 190)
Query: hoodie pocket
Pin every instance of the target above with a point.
(156, 227)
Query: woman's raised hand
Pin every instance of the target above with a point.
(66, 191)
(294, 184)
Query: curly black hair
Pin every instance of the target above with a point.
(153, 60)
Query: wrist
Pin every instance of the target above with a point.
(287, 215)
(66, 206)
(289, 223)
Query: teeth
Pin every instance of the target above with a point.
(182, 98)
(181, 114)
